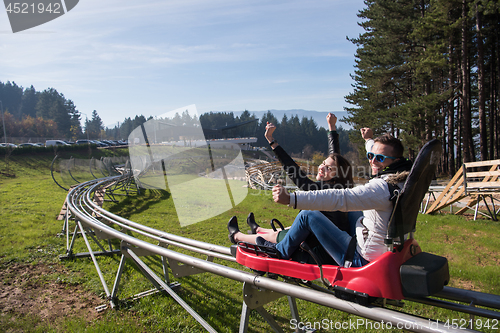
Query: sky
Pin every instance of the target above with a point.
(124, 58)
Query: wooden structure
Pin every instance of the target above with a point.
(478, 181)
(64, 209)
(265, 175)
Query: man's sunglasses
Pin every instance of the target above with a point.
(378, 157)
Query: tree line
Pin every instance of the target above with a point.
(300, 137)
(27, 112)
(429, 69)
(49, 114)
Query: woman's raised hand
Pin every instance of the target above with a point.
(270, 127)
(332, 121)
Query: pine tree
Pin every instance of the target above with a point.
(384, 75)
(28, 102)
(11, 95)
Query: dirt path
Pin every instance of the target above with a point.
(23, 292)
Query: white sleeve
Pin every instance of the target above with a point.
(373, 195)
(369, 145)
(293, 200)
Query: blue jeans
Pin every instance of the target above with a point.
(334, 241)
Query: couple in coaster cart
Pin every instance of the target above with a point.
(385, 260)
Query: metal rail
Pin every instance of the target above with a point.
(97, 223)
(52, 173)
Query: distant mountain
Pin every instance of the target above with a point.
(318, 116)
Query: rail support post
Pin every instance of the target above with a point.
(255, 298)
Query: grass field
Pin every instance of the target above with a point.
(40, 293)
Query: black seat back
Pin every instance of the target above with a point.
(404, 217)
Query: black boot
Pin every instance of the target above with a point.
(252, 224)
(267, 247)
(232, 227)
(262, 242)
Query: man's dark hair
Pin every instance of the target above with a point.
(397, 146)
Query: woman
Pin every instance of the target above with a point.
(334, 172)
(328, 175)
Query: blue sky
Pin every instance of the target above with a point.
(124, 58)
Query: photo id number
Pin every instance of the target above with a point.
(26, 8)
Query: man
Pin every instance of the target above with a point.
(376, 166)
